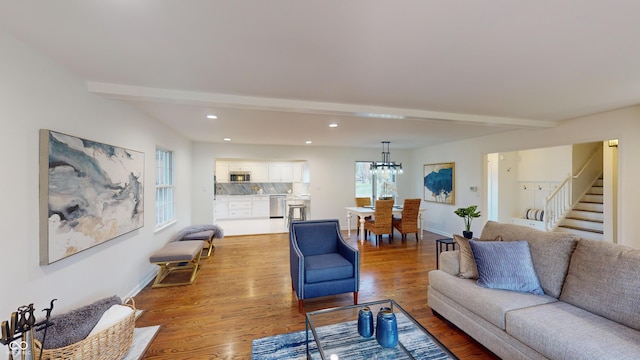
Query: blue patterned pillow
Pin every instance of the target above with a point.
(505, 265)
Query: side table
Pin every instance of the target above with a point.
(446, 242)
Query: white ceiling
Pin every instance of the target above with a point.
(279, 71)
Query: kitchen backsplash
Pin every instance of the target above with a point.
(250, 188)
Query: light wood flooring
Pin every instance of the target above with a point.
(244, 292)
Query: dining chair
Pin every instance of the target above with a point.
(361, 202)
(408, 224)
(381, 223)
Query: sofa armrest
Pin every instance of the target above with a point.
(450, 262)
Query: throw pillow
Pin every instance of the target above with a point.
(468, 268)
(505, 265)
(111, 317)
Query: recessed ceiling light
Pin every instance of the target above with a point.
(332, 125)
(211, 116)
(227, 139)
(308, 142)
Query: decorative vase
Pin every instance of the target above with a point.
(387, 329)
(365, 322)
(467, 234)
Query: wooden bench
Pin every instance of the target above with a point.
(178, 256)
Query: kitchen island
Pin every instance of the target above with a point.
(249, 214)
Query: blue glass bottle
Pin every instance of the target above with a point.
(365, 322)
(387, 329)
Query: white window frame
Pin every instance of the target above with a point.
(165, 188)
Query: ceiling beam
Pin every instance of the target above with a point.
(140, 93)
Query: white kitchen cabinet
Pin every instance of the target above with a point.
(221, 208)
(259, 172)
(297, 171)
(239, 166)
(260, 207)
(239, 208)
(280, 172)
(222, 172)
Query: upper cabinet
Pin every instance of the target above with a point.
(222, 172)
(262, 171)
(297, 172)
(281, 172)
(301, 172)
(259, 170)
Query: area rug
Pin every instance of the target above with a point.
(346, 340)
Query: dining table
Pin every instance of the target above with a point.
(364, 211)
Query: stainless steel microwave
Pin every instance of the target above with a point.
(240, 176)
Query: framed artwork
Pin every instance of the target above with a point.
(439, 183)
(90, 193)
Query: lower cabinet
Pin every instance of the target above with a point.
(249, 207)
(239, 208)
(260, 207)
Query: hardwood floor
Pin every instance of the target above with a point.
(244, 292)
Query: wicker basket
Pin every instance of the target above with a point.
(112, 343)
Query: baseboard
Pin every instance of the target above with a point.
(436, 231)
(142, 283)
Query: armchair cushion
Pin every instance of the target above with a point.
(326, 267)
(321, 238)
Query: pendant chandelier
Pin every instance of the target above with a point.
(386, 166)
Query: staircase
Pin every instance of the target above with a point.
(586, 218)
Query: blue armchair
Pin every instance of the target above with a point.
(321, 262)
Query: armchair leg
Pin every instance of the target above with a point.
(355, 298)
(300, 306)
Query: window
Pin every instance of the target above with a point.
(364, 179)
(165, 204)
(373, 186)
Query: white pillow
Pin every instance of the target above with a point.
(112, 316)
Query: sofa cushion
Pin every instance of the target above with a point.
(468, 267)
(490, 304)
(604, 278)
(550, 251)
(562, 331)
(327, 267)
(505, 265)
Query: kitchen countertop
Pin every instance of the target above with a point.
(249, 196)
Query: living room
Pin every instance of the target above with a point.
(37, 93)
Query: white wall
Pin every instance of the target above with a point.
(623, 124)
(36, 94)
(544, 165)
(332, 170)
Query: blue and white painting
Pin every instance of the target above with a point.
(90, 193)
(439, 183)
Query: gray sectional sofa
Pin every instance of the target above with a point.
(590, 308)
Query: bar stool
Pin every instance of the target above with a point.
(292, 212)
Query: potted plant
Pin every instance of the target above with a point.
(468, 214)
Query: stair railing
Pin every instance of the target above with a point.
(557, 204)
(560, 201)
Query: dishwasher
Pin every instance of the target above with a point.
(276, 206)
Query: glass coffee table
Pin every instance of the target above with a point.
(336, 336)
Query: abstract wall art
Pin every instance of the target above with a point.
(90, 193)
(439, 183)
